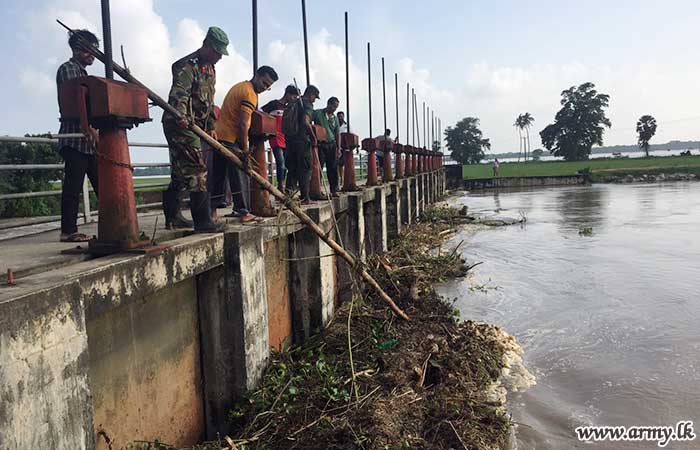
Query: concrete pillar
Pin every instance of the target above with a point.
(413, 187)
(420, 188)
(44, 390)
(429, 185)
(405, 205)
(393, 202)
(312, 276)
(216, 349)
(378, 239)
(351, 224)
(234, 325)
(375, 225)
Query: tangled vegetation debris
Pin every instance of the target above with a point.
(373, 381)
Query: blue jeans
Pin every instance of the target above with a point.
(280, 168)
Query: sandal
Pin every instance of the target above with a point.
(75, 237)
(248, 218)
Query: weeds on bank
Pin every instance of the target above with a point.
(417, 384)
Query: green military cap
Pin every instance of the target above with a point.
(217, 39)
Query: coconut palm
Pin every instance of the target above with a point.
(526, 121)
(519, 125)
(646, 128)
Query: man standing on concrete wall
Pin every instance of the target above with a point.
(329, 150)
(79, 154)
(299, 132)
(276, 108)
(232, 129)
(192, 94)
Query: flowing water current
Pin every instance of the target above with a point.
(601, 287)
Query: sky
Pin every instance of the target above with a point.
(487, 59)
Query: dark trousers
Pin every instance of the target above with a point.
(238, 181)
(280, 167)
(299, 162)
(77, 165)
(328, 156)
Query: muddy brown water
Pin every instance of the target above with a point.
(609, 318)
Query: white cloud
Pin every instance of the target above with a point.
(495, 94)
(39, 83)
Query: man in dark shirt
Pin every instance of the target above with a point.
(276, 109)
(299, 145)
(79, 154)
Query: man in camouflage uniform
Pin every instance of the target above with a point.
(192, 94)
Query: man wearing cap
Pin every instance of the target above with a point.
(192, 94)
(300, 142)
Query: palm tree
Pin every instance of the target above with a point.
(526, 121)
(519, 125)
(646, 128)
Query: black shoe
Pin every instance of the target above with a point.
(201, 213)
(171, 208)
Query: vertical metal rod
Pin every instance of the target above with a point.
(369, 86)
(425, 139)
(407, 103)
(255, 36)
(428, 137)
(306, 42)
(396, 84)
(440, 132)
(432, 124)
(107, 39)
(347, 75)
(413, 116)
(384, 96)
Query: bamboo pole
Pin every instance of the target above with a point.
(228, 154)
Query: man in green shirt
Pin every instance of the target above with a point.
(329, 150)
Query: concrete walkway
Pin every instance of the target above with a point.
(36, 248)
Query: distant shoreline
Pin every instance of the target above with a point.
(693, 146)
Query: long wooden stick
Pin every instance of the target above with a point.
(287, 201)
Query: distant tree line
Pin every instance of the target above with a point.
(150, 171)
(578, 126)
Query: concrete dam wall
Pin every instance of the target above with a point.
(161, 345)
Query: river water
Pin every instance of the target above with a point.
(608, 320)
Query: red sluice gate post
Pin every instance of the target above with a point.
(262, 127)
(408, 168)
(370, 145)
(112, 107)
(398, 148)
(387, 147)
(349, 142)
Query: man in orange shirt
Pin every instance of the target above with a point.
(232, 130)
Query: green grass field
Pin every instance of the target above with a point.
(555, 168)
(137, 183)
